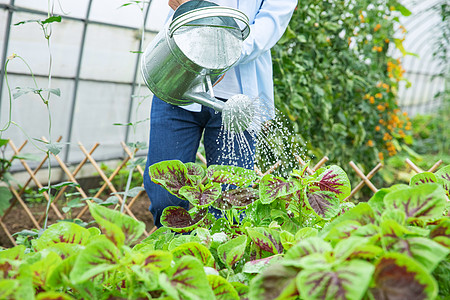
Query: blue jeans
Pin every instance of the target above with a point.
(175, 133)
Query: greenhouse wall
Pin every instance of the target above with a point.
(96, 67)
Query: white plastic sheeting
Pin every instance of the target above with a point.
(102, 94)
(423, 29)
(106, 71)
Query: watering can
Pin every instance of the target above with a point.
(186, 58)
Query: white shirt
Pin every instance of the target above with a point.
(268, 21)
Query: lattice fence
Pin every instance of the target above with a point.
(18, 201)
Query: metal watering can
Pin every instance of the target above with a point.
(193, 51)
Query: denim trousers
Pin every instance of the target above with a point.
(175, 134)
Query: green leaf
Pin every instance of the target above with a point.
(52, 19)
(42, 268)
(179, 220)
(440, 233)
(272, 187)
(259, 265)
(202, 196)
(425, 251)
(119, 228)
(14, 253)
(324, 204)
(276, 282)
(196, 250)
(53, 296)
(345, 281)
(233, 175)
(308, 246)
(399, 44)
(62, 232)
(156, 260)
(4, 142)
(397, 275)
(232, 251)
(54, 148)
(5, 196)
(264, 240)
(423, 202)
(99, 257)
(422, 178)
(172, 175)
(222, 289)
(332, 179)
(186, 279)
(443, 176)
(403, 10)
(7, 288)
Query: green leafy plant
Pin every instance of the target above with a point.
(337, 84)
(395, 245)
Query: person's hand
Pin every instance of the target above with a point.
(175, 3)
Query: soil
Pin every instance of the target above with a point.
(17, 219)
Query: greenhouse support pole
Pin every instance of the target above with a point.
(136, 68)
(10, 9)
(77, 81)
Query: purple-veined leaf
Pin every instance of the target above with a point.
(422, 178)
(361, 214)
(42, 269)
(265, 240)
(62, 232)
(232, 251)
(370, 231)
(422, 202)
(58, 276)
(183, 239)
(222, 289)
(170, 174)
(186, 280)
(179, 220)
(195, 172)
(308, 246)
(156, 260)
(201, 196)
(332, 179)
(118, 227)
(272, 187)
(345, 281)
(14, 253)
(237, 176)
(377, 200)
(324, 204)
(425, 251)
(443, 176)
(341, 230)
(240, 197)
(98, 257)
(259, 265)
(440, 233)
(241, 289)
(276, 282)
(196, 250)
(356, 247)
(398, 276)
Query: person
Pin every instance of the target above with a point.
(176, 132)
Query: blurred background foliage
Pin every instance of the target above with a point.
(337, 84)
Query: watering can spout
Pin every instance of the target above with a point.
(205, 99)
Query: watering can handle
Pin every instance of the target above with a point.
(212, 11)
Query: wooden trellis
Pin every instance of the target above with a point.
(108, 182)
(71, 175)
